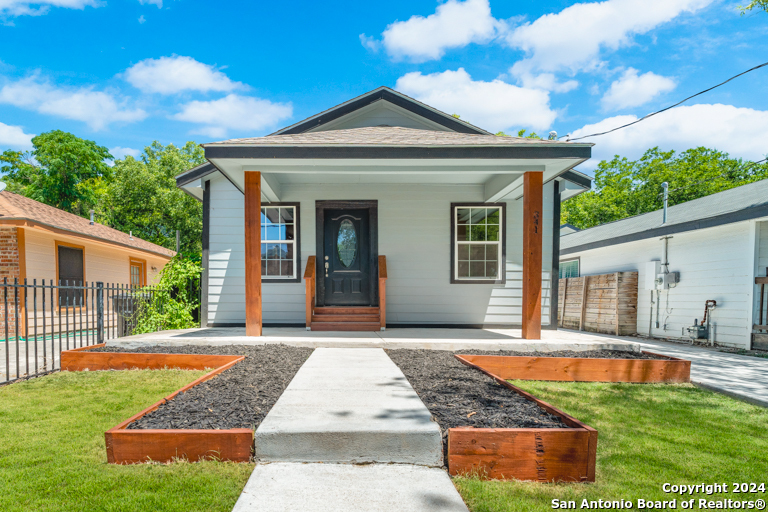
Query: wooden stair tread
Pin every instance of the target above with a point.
(345, 318)
(339, 310)
(345, 326)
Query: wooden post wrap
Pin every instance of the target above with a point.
(383, 292)
(253, 321)
(533, 187)
(309, 283)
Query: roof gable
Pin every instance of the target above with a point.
(430, 116)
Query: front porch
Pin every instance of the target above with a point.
(414, 338)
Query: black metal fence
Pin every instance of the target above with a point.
(40, 320)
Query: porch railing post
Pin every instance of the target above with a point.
(100, 312)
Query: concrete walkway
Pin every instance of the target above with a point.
(349, 433)
(349, 405)
(289, 487)
(741, 377)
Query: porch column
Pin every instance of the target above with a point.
(252, 253)
(533, 188)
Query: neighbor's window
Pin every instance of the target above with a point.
(137, 273)
(569, 268)
(279, 241)
(478, 244)
(70, 272)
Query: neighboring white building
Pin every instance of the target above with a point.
(718, 244)
(381, 175)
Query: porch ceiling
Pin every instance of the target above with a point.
(500, 176)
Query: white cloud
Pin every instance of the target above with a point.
(493, 105)
(120, 152)
(633, 90)
(742, 132)
(158, 3)
(168, 75)
(96, 108)
(548, 82)
(454, 24)
(14, 137)
(234, 112)
(369, 43)
(142, 19)
(40, 7)
(572, 39)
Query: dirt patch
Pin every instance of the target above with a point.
(589, 354)
(239, 397)
(460, 396)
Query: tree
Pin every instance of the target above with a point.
(623, 188)
(61, 170)
(520, 133)
(142, 197)
(754, 4)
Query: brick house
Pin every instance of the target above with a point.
(39, 242)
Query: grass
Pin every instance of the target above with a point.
(649, 434)
(52, 454)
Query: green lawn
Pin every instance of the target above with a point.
(649, 434)
(52, 455)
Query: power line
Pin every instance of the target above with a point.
(667, 108)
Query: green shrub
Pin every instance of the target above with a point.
(171, 304)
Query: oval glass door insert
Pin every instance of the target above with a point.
(346, 243)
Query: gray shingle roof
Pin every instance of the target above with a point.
(734, 205)
(389, 136)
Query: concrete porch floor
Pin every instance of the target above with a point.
(428, 338)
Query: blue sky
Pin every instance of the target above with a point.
(127, 72)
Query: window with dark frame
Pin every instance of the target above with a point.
(279, 242)
(71, 272)
(478, 243)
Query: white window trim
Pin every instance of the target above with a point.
(296, 256)
(569, 260)
(499, 243)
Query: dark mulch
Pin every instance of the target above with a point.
(590, 354)
(237, 398)
(459, 396)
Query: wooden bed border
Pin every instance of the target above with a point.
(539, 454)
(582, 369)
(126, 446)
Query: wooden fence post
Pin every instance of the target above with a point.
(617, 304)
(565, 302)
(584, 296)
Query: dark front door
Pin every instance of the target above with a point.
(346, 260)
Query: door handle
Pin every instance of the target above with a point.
(326, 264)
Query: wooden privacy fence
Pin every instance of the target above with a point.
(605, 303)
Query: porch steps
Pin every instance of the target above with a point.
(336, 318)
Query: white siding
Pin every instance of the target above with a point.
(762, 260)
(714, 263)
(414, 235)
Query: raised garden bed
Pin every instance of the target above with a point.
(495, 429)
(613, 366)
(209, 418)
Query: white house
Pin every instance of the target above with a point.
(719, 246)
(391, 213)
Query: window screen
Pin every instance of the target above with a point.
(71, 273)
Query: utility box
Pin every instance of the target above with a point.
(652, 270)
(664, 280)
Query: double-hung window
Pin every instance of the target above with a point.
(478, 245)
(280, 253)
